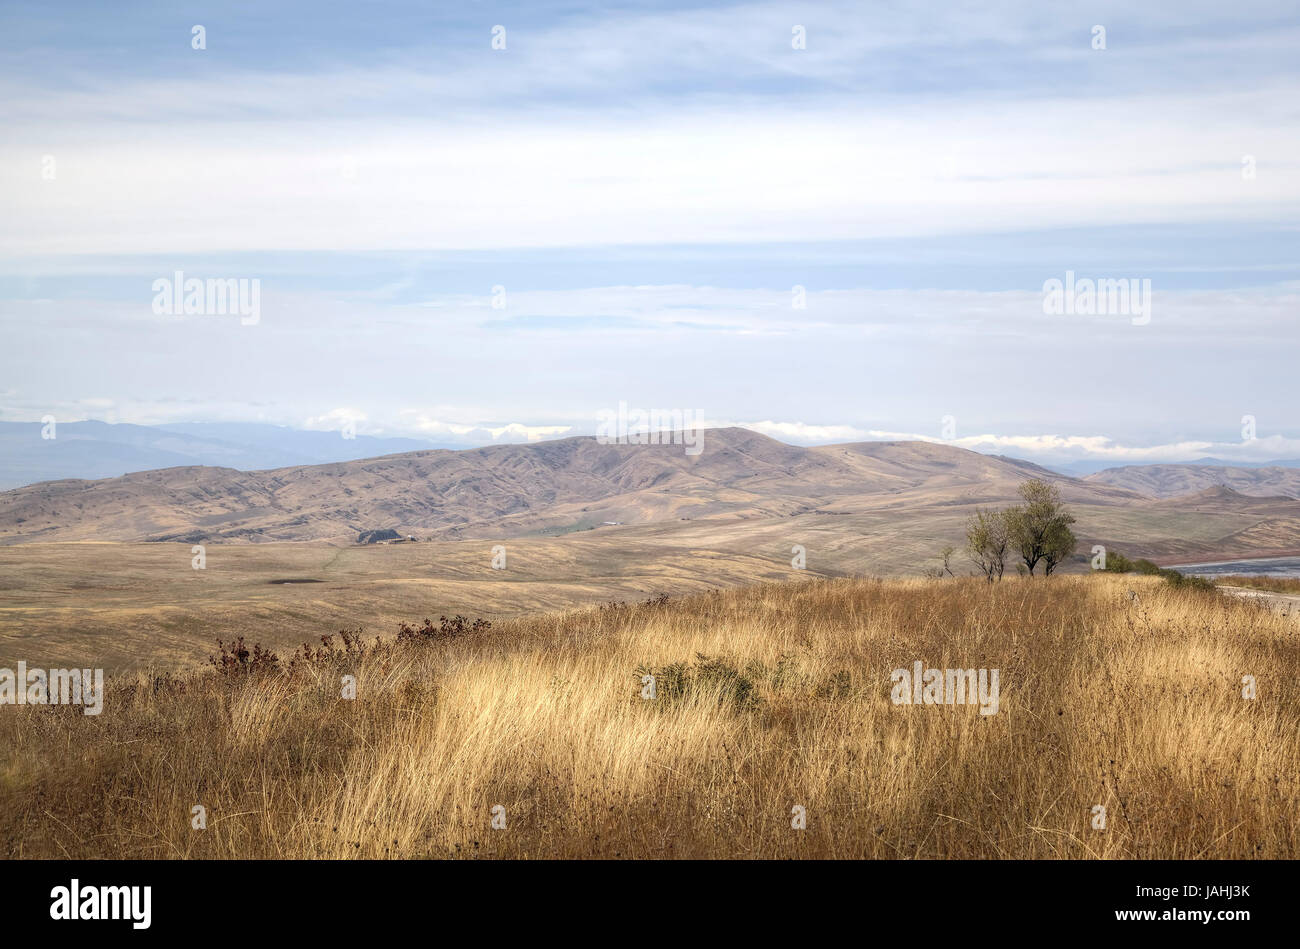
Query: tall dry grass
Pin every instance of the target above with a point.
(1287, 585)
(1134, 704)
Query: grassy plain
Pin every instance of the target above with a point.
(125, 605)
(1118, 691)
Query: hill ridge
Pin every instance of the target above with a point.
(557, 485)
(1177, 480)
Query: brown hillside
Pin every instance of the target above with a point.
(1167, 481)
(510, 490)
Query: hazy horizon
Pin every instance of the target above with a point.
(35, 452)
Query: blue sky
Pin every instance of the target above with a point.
(647, 183)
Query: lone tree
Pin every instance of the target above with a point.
(945, 555)
(1040, 528)
(987, 539)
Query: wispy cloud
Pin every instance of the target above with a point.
(648, 184)
(701, 175)
(659, 126)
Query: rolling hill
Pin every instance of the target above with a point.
(510, 490)
(102, 569)
(93, 450)
(1167, 481)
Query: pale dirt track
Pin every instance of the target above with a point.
(1284, 603)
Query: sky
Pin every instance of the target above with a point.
(823, 221)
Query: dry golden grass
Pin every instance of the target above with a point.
(1289, 585)
(1132, 704)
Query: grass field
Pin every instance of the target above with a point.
(1289, 585)
(1115, 691)
(122, 606)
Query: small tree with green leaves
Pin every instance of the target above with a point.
(987, 539)
(1039, 528)
(1059, 547)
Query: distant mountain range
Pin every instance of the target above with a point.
(1078, 469)
(868, 506)
(97, 450)
(555, 486)
(1169, 481)
(93, 450)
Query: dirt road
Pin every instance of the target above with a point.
(1285, 603)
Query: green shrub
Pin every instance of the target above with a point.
(1186, 581)
(1118, 563)
(715, 676)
